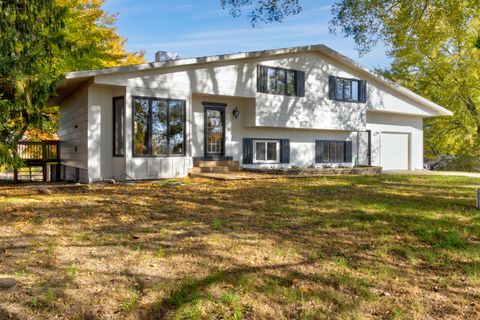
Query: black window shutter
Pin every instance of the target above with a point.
(247, 150)
(285, 151)
(348, 151)
(318, 151)
(300, 90)
(363, 91)
(261, 78)
(332, 84)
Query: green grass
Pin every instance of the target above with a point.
(72, 270)
(129, 304)
(159, 252)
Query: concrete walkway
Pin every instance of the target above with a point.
(433, 173)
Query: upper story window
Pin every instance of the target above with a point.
(159, 127)
(280, 81)
(349, 90)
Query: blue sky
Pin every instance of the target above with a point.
(195, 28)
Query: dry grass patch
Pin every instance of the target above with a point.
(391, 247)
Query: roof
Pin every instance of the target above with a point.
(79, 77)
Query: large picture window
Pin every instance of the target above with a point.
(118, 127)
(333, 151)
(159, 127)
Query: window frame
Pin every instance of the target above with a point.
(114, 119)
(150, 124)
(351, 80)
(285, 81)
(266, 141)
(337, 142)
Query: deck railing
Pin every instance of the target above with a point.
(45, 150)
(38, 153)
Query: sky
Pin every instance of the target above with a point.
(195, 28)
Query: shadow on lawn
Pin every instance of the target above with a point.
(193, 290)
(314, 215)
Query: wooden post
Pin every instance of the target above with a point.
(44, 161)
(15, 175)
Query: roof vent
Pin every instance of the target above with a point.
(161, 56)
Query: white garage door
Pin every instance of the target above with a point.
(394, 151)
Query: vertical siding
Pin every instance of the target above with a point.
(101, 163)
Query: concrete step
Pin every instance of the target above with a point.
(213, 163)
(214, 169)
(230, 164)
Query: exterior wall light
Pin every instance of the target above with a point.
(236, 112)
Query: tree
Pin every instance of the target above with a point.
(97, 42)
(41, 40)
(435, 46)
(31, 49)
(264, 11)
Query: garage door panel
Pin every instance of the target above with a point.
(394, 151)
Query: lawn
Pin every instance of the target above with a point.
(345, 247)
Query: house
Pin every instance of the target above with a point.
(304, 106)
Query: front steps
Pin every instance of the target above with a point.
(215, 166)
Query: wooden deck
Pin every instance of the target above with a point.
(38, 154)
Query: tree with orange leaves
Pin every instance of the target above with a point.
(41, 40)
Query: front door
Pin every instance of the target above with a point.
(214, 132)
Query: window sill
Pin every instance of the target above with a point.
(281, 94)
(266, 162)
(349, 101)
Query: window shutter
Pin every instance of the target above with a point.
(348, 151)
(300, 90)
(285, 151)
(247, 150)
(332, 84)
(318, 151)
(363, 91)
(261, 78)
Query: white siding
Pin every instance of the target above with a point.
(73, 135)
(238, 78)
(302, 120)
(379, 122)
(302, 141)
(101, 163)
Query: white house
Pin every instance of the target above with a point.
(304, 106)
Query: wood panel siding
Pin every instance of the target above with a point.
(73, 131)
